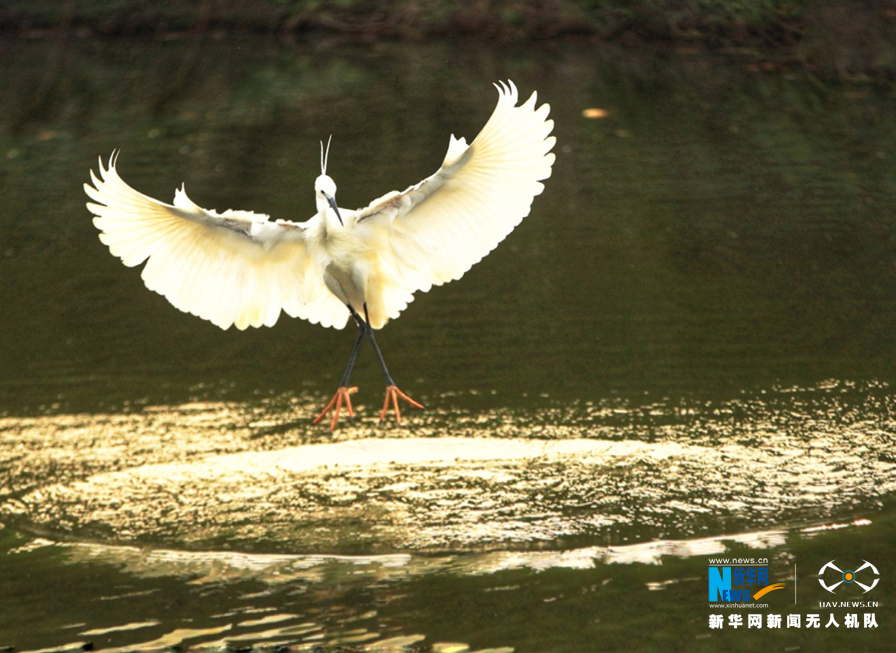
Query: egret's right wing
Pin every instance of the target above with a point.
(233, 268)
(435, 231)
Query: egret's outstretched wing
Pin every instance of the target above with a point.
(234, 268)
(435, 231)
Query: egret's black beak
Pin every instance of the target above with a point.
(332, 202)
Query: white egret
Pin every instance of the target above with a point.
(241, 268)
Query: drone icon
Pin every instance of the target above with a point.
(848, 576)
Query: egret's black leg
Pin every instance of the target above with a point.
(354, 355)
(376, 349)
(343, 394)
(393, 394)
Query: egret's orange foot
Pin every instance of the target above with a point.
(393, 394)
(343, 396)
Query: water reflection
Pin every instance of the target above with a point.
(199, 476)
(306, 601)
(209, 567)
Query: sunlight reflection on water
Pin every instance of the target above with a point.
(204, 567)
(270, 625)
(199, 476)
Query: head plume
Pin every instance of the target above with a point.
(324, 155)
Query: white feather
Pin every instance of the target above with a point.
(234, 268)
(240, 268)
(435, 231)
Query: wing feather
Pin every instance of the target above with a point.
(235, 268)
(434, 231)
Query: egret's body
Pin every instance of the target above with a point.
(242, 269)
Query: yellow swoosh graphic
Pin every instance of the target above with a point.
(766, 590)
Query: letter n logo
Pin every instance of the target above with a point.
(719, 581)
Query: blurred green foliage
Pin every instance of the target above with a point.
(831, 36)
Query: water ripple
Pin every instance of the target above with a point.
(198, 477)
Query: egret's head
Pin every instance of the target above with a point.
(325, 186)
(325, 195)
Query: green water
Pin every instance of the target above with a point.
(685, 351)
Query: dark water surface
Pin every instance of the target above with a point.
(685, 351)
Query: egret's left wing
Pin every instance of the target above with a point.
(233, 268)
(433, 232)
